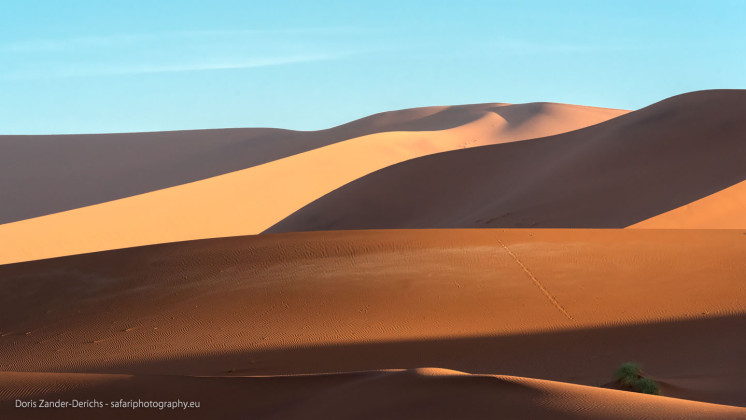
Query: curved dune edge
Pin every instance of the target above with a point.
(251, 200)
(52, 173)
(319, 302)
(725, 209)
(610, 175)
(398, 394)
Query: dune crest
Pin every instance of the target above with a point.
(610, 175)
(53, 173)
(249, 201)
(48, 174)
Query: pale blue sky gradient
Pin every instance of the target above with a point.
(91, 66)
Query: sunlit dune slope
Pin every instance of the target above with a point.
(48, 174)
(725, 209)
(610, 175)
(401, 394)
(251, 200)
(565, 305)
(53, 173)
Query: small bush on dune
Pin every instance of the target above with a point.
(628, 373)
(630, 376)
(646, 386)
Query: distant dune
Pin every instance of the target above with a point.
(611, 175)
(48, 173)
(559, 305)
(53, 173)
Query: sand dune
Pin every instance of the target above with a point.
(725, 209)
(53, 173)
(50, 174)
(560, 305)
(409, 323)
(251, 200)
(610, 175)
(440, 394)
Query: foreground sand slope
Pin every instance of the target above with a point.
(410, 394)
(561, 305)
(610, 175)
(251, 200)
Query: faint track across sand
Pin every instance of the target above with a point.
(538, 284)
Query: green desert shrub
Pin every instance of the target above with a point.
(630, 375)
(646, 386)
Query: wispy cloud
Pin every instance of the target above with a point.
(168, 52)
(251, 63)
(121, 40)
(114, 70)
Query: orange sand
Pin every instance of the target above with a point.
(561, 305)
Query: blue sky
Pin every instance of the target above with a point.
(74, 66)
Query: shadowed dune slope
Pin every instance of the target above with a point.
(48, 174)
(252, 200)
(610, 175)
(403, 394)
(568, 306)
(52, 173)
(725, 209)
